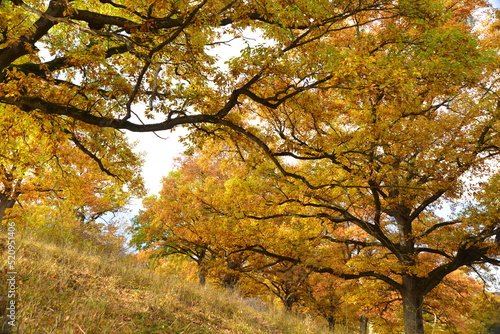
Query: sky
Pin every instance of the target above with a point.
(159, 149)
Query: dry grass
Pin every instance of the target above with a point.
(70, 290)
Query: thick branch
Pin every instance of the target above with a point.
(466, 255)
(94, 157)
(261, 250)
(426, 203)
(372, 274)
(27, 42)
(49, 108)
(297, 215)
(352, 242)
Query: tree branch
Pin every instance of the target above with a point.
(94, 157)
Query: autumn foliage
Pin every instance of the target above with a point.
(235, 226)
(343, 143)
(49, 166)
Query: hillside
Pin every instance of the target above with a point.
(64, 289)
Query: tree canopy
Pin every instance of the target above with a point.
(105, 58)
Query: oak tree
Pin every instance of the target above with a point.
(409, 124)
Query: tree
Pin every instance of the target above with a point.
(62, 176)
(410, 127)
(166, 227)
(42, 162)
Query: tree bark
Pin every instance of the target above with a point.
(5, 203)
(413, 300)
(363, 325)
(202, 277)
(289, 300)
(331, 322)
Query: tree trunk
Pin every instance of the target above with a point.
(5, 203)
(288, 302)
(232, 277)
(230, 281)
(202, 277)
(363, 325)
(200, 256)
(331, 322)
(413, 301)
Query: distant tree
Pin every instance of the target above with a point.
(41, 162)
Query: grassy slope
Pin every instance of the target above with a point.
(65, 290)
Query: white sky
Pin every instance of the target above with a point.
(159, 154)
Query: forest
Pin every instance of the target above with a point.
(341, 160)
